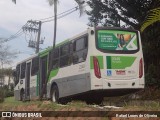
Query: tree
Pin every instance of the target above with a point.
(138, 14)
(8, 72)
(6, 57)
(153, 16)
(3, 74)
(54, 2)
(127, 12)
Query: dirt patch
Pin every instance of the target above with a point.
(46, 102)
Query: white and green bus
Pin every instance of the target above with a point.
(96, 63)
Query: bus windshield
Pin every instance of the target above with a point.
(117, 40)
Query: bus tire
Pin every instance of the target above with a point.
(55, 94)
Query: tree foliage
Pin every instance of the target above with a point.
(153, 16)
(1, 95)
(6, 55)
(144, 14)
(120, 12)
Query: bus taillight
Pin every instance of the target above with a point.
(140, 68)
(97, 71)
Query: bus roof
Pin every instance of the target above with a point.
(43, 53)
(27, 59)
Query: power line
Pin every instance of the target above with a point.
(17, 34)
(59, 17)
(58, 14)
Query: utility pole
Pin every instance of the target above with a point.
(38, 38)
(34, 26)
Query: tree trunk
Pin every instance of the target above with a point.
(55, 23)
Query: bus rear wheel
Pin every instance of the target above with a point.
(55, 94)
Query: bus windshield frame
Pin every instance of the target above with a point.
(117, 51)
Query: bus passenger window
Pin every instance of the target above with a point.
(65, 55)
(80, 44)
(23, 69)
(56, 53)
(55, 64)
(80, 47)
(35, 66)
(17, 74)
(64, 49)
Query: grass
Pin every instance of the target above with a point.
(11, 104)
(151, 106)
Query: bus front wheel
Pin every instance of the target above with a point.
(55, 94)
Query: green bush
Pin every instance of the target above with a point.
(9, 93)
(1, 95)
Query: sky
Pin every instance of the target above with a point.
(14, 16)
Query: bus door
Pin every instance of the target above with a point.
(43, 76)
(27, 84)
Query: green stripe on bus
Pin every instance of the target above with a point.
(108, 58)
(53, 73)
(100, 60)
(119, 62)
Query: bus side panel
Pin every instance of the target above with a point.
(79, 84)
(33, 87)
(80, 81)
(18, 88)
(72, 85)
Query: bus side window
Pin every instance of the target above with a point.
(50, 61)
(55, 64)
(86, 42)
(23, 69)
(35, 66)
(65, 55)
(74, 46)
(17, 74)
(71, 48)
(80, 50)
